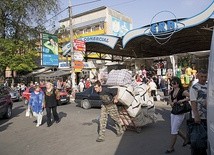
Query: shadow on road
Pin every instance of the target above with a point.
(110, 124)
(15, 112)
(152, 140)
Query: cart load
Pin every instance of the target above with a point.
(138, 107)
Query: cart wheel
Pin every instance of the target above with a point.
(138, 130)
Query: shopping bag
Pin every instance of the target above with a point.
(28, 113)
(198, 136)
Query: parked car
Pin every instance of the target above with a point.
(6, 103)
(88, 98)
(15, 96)
(64, 96)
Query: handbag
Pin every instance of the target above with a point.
(180, 108)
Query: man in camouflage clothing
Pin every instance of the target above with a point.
(109, 98)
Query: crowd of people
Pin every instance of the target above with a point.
(44, 95)
(195, 94)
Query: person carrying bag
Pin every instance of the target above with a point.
(178, 98)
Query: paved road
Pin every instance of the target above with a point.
(77, 132)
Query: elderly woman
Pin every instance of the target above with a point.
(51, 96)
(36, 103)
(178, 95)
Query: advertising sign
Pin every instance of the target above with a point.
(79, 45)
(120, 27)
(49, 50)
(78, 56)
(78, 65)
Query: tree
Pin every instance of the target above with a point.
(20, 24)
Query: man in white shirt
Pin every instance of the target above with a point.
(198, 98)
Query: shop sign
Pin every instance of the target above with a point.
(78, 56)
(162, 31)
(78, 65)
(102, 39)
(79, 45)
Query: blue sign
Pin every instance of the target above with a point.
(163, 27)
(49, 50)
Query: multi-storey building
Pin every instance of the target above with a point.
(102, 20)
(99, 21)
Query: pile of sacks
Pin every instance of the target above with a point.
(139, 106)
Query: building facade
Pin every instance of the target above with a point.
(102, 20)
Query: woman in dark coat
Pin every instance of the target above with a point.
(51, 96)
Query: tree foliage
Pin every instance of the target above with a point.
(20, 24)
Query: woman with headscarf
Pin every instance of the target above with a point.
(36, 104)
(51, 97)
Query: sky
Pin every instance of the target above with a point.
(141, 11)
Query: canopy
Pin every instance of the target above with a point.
(181, 36)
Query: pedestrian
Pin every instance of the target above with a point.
(177, 96)
(36, 104)
(51, 97)
(81, 85)
(153, 88)
(87, 83)
(109, 98)
(198, 98)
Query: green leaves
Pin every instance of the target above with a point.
(20, 24)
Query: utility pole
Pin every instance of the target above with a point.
(72, 49)
(73, 76)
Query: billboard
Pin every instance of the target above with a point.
(49, 54)
(120, 27)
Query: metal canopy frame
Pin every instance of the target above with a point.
(193, 39)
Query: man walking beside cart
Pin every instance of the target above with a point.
(109, 98)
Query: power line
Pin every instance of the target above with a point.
(123, 3)
(67, 8)
(85, 3)
(54, 16)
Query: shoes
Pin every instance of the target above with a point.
(100, 140)
(48, 125)
(169, 151)
(185, 143)
(57, 122)
(37, 125)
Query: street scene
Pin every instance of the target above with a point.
(100, 77)
(77, 132)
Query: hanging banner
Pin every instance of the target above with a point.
(49, 48)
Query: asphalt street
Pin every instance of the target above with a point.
(77, 132)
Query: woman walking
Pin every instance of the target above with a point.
(51, 96)
(36, 104)
(178, 95)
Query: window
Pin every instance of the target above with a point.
(95, 28)
(88, 30)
